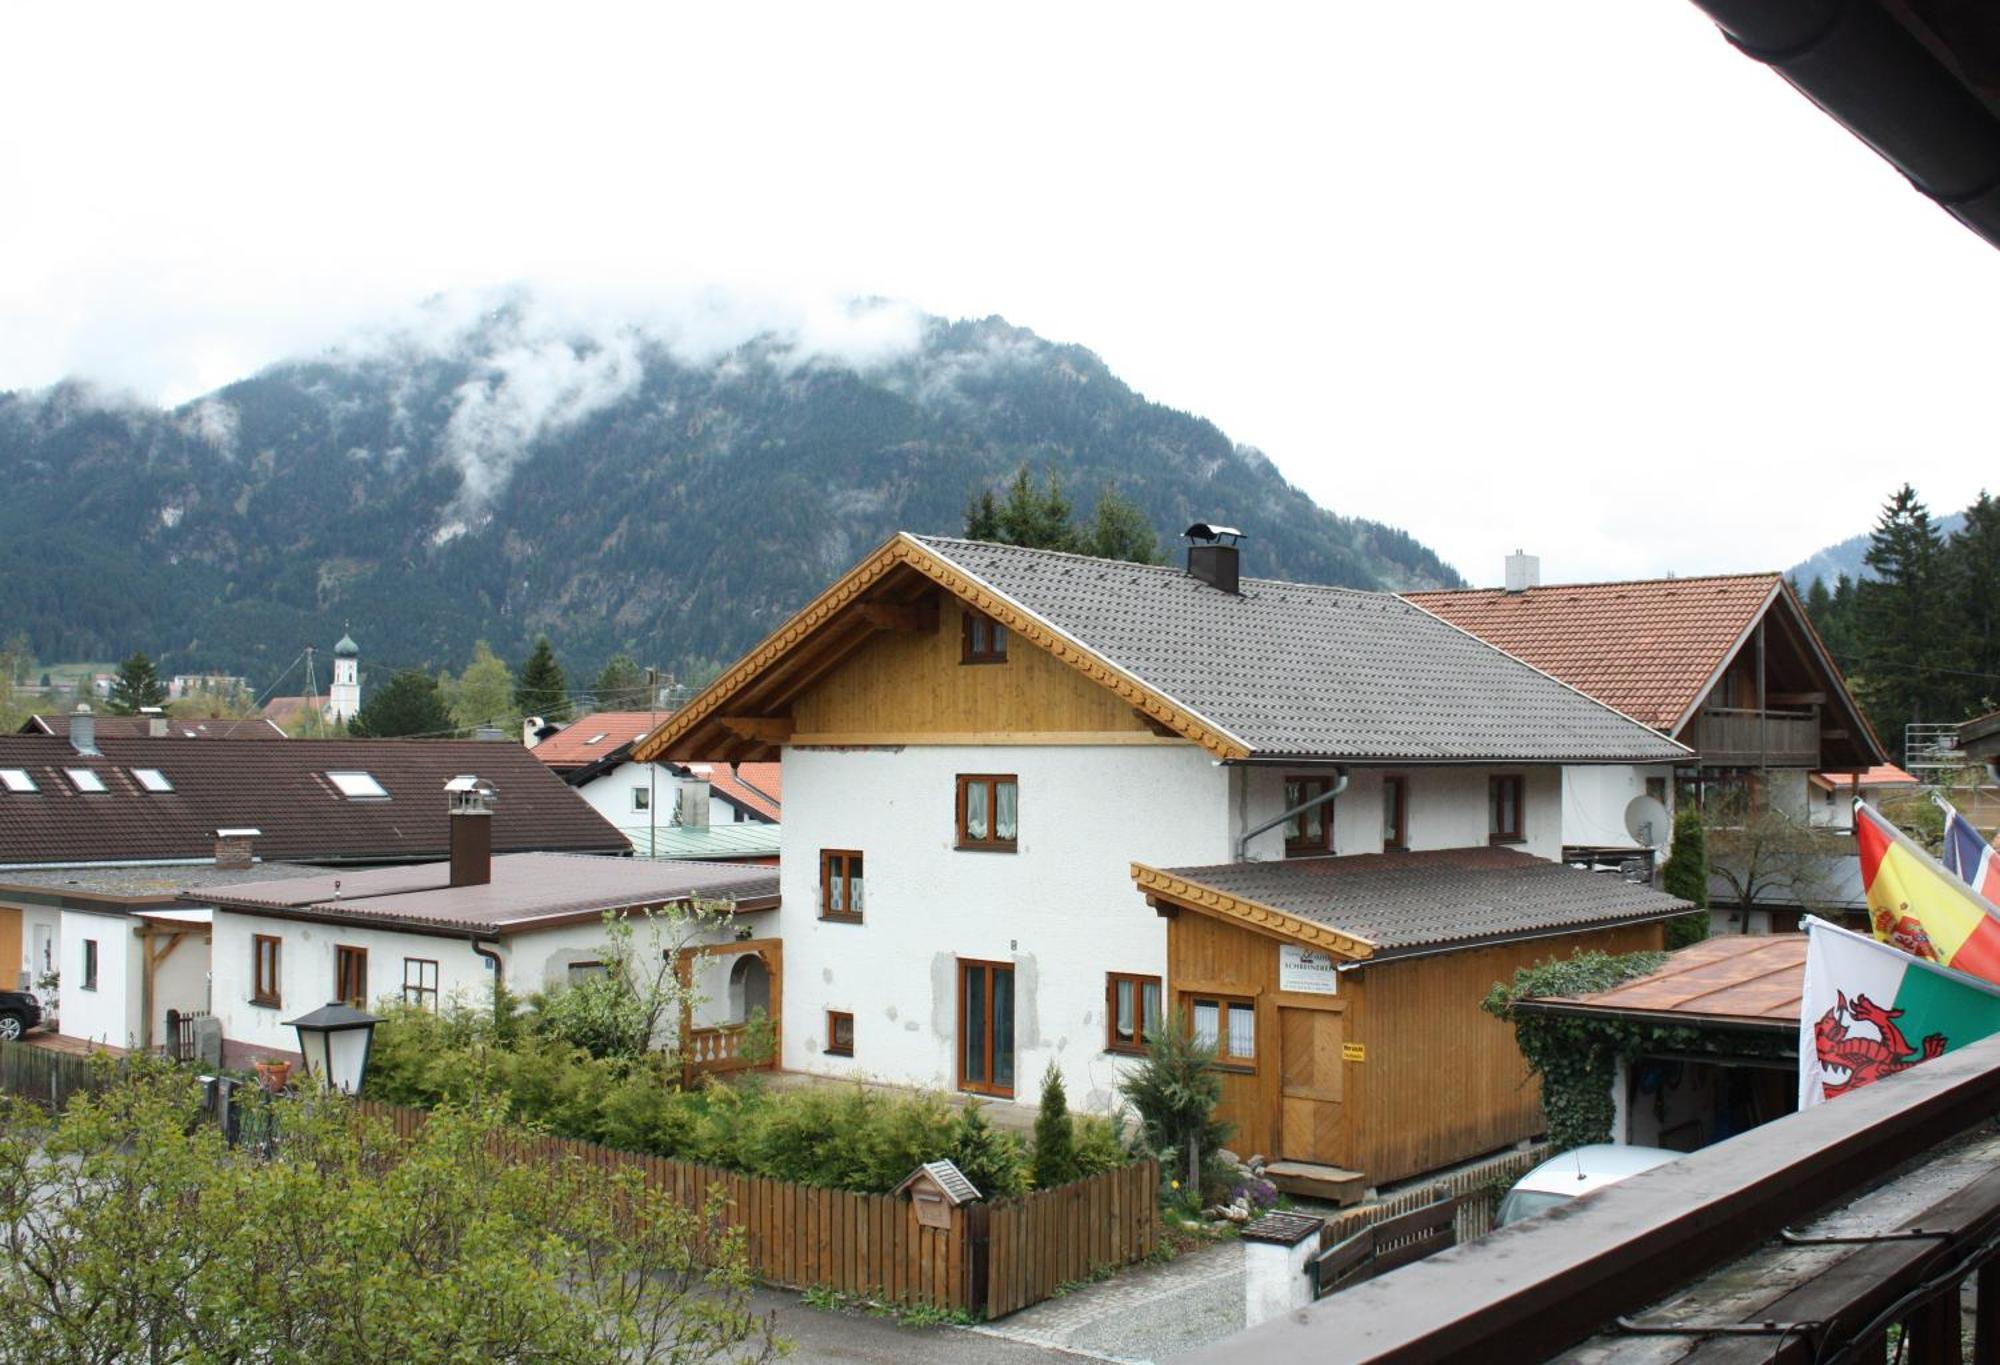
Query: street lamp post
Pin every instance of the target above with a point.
(337, 1040)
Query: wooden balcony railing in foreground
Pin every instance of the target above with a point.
(1604, 1265)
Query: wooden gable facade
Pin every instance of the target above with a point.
(875, 659)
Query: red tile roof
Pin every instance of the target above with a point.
(1649, 648)
(587, 740)
(1881, 775)
(757, 786)
(280, 787)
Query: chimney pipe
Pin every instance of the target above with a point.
(83, 730)
(693, 812)
(155, 720)
(470, 801)
(235, 849)
(1524, 571)
(531, 730)
(1212, 556)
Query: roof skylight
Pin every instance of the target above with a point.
(152, 779)
(84, 780)
(358, 786)
(597, 738)
(17, 780)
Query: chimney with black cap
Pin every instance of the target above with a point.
(1212, 555)
(470, 801)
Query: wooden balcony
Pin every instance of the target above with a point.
(1738, 737)
(715, 1050)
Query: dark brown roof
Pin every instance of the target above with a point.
(140, 727)
(528, 890)
(281, 789)
(1397, 904)
(1753, 980)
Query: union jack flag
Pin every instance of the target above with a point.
(1968, 856)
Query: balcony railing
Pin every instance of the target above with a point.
(1739, 737)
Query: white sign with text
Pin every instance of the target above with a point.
(1306, 970)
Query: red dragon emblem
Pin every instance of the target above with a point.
(1905, 933)
(1860, 1057)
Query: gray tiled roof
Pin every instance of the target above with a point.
(1403, 902)
(1296, 670)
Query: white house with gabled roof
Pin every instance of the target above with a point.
(986, 747)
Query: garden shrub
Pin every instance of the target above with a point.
(1099, 1146)
(1175, 1091)
(1055, 1138)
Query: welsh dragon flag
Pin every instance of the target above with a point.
(1918, 906)
(1869, 1010)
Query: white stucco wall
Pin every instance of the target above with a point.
(610, 795)
(109, 1014)
(180, 982)
(1061, 909)
(1595, 798)
(1442, 808)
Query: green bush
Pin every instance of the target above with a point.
(1099, 1145)
(1175, 1091)
(1685, 876)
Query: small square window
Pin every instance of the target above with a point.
(358, 786)
(642, 798)
(1132, 1011)
(585, 971)
(84, 780)
(420, 983)
(17, 780)
(839, 1033)
(152, 779)
(988, 811)
(984, 640)
(1228, 1026)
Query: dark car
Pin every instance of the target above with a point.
(19, 1012)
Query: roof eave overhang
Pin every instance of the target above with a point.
(411, 924)
(1266, 919)
(1263, 758)
(1729, 1023)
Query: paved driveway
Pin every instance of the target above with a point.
(1149, 1314)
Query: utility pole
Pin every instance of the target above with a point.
(652, 769)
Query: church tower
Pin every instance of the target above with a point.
(343, 699)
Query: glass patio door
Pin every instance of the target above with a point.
(986, 1027)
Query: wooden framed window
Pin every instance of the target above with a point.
(1131, 1011)
(1395, 815)
(90, 964)
(983, 640)
(1503, 799)
(591, 970)
(264, 950)
(420, 983)
(840, 885)
(839, 1033)
(1228, 1025)
(1308, 832)
(988, 811)
(350, 975)
(986, 1027)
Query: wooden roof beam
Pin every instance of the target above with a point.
(763, 729)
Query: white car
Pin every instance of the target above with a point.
(1577, 1171)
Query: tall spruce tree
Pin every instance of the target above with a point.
(620, 686)
(137, 685)
(1899, 617)
(541, 688)
(1043, 518)
(409, 706)
(1972, 593)
(1685, 875)
(1055, 1135)
(1120, 531)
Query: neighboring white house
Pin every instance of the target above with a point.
(1831, 796)
(981, 743)
(648, 800)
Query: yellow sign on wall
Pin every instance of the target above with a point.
(1353, 1052)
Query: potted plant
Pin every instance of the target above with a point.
(273, 1073)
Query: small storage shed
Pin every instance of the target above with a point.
(1343, 995)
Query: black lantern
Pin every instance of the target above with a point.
(336, 1040)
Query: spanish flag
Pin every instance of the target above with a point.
(1915, 904)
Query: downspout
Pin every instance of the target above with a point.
(1339, 786)
(493, 960)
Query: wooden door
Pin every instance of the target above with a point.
(1309, 1086)
(10, 947)
(986, 1027)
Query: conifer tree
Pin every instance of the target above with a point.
(620, 686)
(1685, 876)
(409, 706)
(1055, 1136)
(1972, 592)
(1899, 615)
(137, 685)
(542, 689)
(1120, 531)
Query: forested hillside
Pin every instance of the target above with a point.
(600, 489)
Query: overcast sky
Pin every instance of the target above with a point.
(1574, 275)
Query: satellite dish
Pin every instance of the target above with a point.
(1646, 821)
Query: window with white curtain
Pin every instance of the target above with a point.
(1228, 1026)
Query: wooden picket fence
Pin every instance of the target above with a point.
(44, 1075)
(992, 1260)
(1470, 1185)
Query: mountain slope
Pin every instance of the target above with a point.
(608, 488)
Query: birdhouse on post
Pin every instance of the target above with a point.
(936, 1188)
